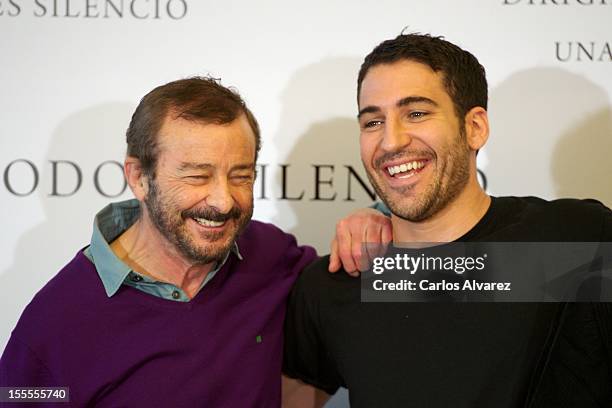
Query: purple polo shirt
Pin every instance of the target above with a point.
(221, 349)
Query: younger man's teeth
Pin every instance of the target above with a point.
(209, 223)
(404, 167)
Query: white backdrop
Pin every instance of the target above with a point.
(73, 71)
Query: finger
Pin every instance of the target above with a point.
(372, 243)
(358, 241)
(375, 244)
(334, 260)
(386, 233)
(386, 237)
(344, 248)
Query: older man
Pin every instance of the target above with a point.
(179, 300)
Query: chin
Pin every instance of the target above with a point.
(220, 246)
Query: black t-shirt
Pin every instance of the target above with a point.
(436, 354)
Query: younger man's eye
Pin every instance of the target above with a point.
(372, 123)
(418, 114)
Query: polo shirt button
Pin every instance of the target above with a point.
(136, 278)
(176, 294)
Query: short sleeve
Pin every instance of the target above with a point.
(305, 354)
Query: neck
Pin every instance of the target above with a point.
(147, 252)
(458, 217)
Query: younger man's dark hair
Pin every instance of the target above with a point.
(464, 77)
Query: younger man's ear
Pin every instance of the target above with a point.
(135, 177)
(477, 127)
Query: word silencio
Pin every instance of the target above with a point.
(96, 9)
(414, 264)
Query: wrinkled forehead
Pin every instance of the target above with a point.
(200, 141)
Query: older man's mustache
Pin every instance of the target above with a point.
(212, 214)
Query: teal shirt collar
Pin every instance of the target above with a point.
(111, 222)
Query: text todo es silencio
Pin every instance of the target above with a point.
(405, 262)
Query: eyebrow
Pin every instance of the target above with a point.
(250, 166)
(195, 166)
(207, 166)
(402, 102)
